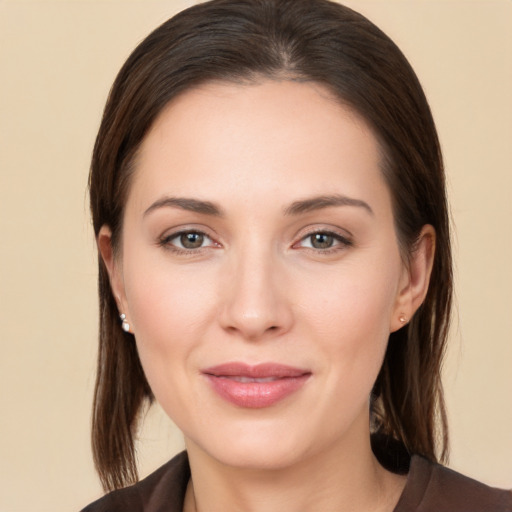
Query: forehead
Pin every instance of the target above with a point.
(272, 137)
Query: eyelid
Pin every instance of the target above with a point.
(311, 229)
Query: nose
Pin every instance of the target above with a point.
(254, 302)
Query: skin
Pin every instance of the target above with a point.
(261, 289)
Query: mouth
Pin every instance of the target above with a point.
(255, 387)
(252, 379)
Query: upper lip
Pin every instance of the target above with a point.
(258, 371)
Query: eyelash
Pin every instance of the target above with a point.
(341, 242)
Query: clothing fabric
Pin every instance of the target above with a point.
(430, 488)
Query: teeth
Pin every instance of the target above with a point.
(252, 379)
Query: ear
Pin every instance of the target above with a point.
(113, 265)
(415, 278)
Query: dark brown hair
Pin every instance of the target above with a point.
(313, 40)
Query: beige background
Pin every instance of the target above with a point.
(58, 59)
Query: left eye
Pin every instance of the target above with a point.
(189, 240)
(323, 240)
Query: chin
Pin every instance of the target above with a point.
(256, 457)
(258, 446)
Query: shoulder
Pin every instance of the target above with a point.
(432, 487)
(166, 485)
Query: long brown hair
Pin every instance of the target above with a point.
(314, 40)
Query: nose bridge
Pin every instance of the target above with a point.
(254, 304)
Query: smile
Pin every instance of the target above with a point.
(255, 387)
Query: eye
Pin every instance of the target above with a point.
(191, 240)
(321, 240)
(187, 241)
(324, 241)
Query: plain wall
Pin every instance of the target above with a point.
(58, 60)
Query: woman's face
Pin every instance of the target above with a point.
(260, 271)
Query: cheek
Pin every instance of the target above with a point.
(350, 319)
(165, 298)
(170, 309)
(353, 300)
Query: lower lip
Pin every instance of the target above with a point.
(256, 395)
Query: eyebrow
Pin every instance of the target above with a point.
(296, 208)
(186, 203)
(320, 202)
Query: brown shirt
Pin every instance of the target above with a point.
(429, 488)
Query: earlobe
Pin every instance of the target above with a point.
(106, 251)
(416, 278)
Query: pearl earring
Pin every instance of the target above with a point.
(124, 324)
(402, 318)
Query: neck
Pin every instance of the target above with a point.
(346, 478)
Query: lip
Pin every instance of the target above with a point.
(255, 386)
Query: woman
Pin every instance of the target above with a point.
(268, 198)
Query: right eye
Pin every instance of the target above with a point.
(187, 241)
